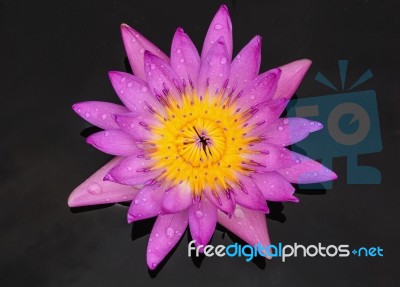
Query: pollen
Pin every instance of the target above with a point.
(200, 143)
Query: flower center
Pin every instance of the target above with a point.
(200, 142)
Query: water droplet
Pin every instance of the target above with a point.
(298, 161)
(152, 66)
(182, 60)
(217, 26)
(150, 239)
(199, 214)
(178, 51)
(314, 174)
(87, 115)
(287, 172)
(280, 128)
(238, 213)
(238, 57)
(149, 250)
(94, 188)
(153, 264)
(144, 199)
(169, 232)
(129, 84)
(252, 97)
(103, 116)
(136, 201)
(286, 121)
(123, 79)
(223, 60)
(149, 73)
(107, 199)
(141, 50)
(312, 123)
(143, 88)
(157, 235)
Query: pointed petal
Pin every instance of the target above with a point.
(135, 45)
(114, 142)
(223, 201)
(185, 59)
(99, 114)
(214, 70)
(249, 225)
(291, 77)
(177, 198)
(221, 26)
(249, 195)
(167, 231)
(246, 65)
(138, 126)
(287, 131)
(274, 186)
(134, 93)
(146, 204)
(260, 90)
(95, 191)
(202, 221)
(133, 170)
(306, 170)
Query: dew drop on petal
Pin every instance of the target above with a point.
(182, 60)
(223, 60)
(286, 121)
(143, 88)
(178, 51)
(87, 115)
(157, 235)
(238, 213)
(152, 66)
(94, 188)
(129, 84)
(252, 97)
(103, 116)
(169, 232)
(141, 51)
(217, 26)
(136, 201)
(280, 128)
(123, 79)
(199, 214)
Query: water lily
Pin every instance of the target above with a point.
(198, 139)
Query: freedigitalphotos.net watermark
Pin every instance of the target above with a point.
(283, 251)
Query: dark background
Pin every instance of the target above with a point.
(55, 53)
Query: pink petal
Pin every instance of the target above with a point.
(269, 157)
(177, 199)
(264, 113)
(202, 221)
(134, 93)
(138, 126)
(162, 79)
(262, 89)
(167, 231)
(99, 114)
(249, 195)
(274, 186)
(96, 191)
(146, 204)
(135, 45)
(185, 59)
(249, 225)
(292, 74)
(246, 65)
(115, 142)
(223, 201)
(305, 170)
(214, 70)
(133, 170)
(221, 26)
(287, 131)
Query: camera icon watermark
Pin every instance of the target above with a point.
(351, 124)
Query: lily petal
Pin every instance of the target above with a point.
(250, 196)
(185, 59)
(202, 221)
(95, 191)
(166, 232)
(115, 142)
(305, 170)
(146, 204)
(177, 198)
(133, 170)
(246, 65)
(249, 225)
(274, 186)
(221, 26)
(262, 89)
(134, 93)
(100, 114)
(287, 131)
(135, 46)
(291, 77)
(214, 70)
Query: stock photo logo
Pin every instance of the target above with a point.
(351, 121)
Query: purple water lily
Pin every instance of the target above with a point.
(199, 139)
